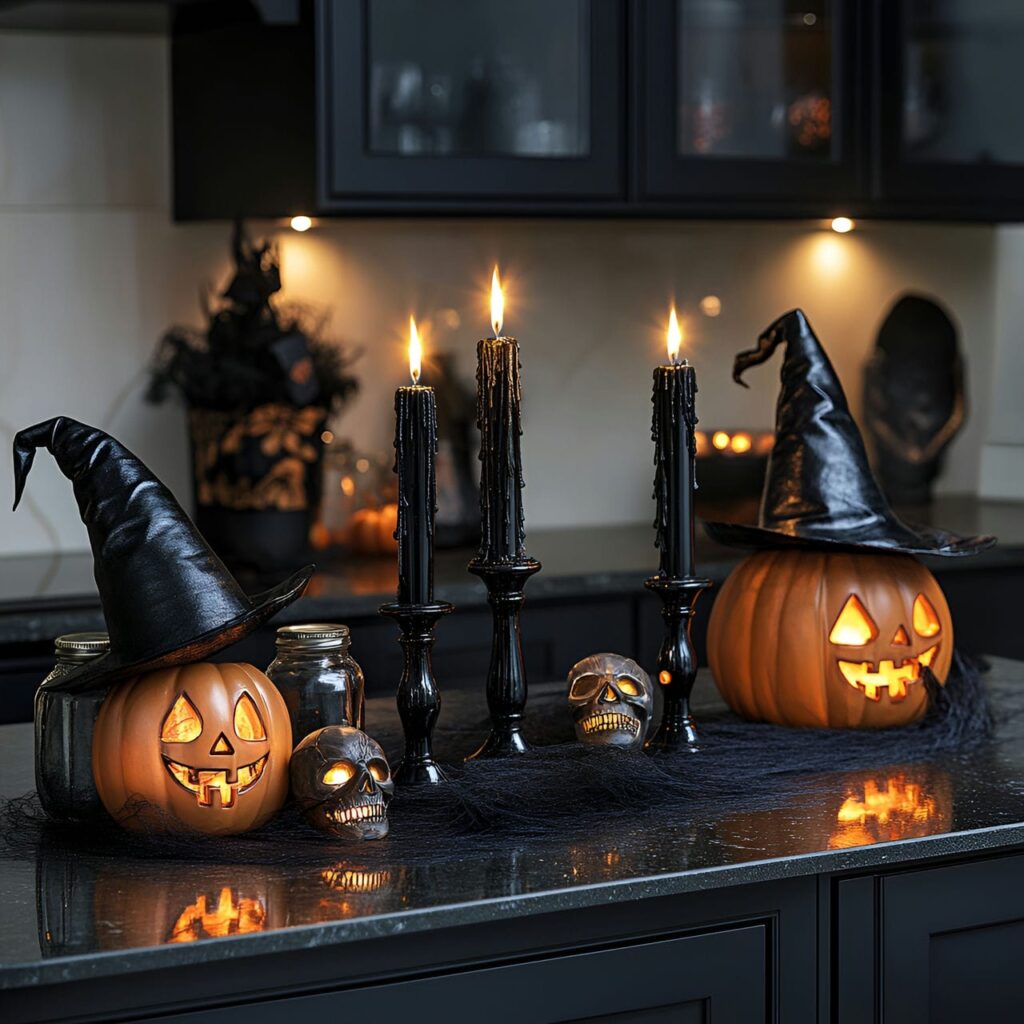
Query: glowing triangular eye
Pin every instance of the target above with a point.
(926, 622)
(248, 724)
(630, 687)
(182, 724)
(339, 773)
(854, 627)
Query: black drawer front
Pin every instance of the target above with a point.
(720, 976)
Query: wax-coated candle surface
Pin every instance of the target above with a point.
(502, 530)
(675, 451)
(415, 448)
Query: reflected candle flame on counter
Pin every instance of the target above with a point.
(497, 303)
(228, 917)
(415, 351)
(674, 337)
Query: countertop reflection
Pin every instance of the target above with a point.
(70, 915)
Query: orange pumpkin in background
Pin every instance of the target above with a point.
(829, 639)
(371, 531)
(202, 746)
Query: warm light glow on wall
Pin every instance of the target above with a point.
(842, 225)
(301, 222)
(711, 305)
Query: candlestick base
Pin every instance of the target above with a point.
(506, 677)
(418, 698)
(677, 663)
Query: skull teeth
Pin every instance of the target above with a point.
(362, 812)
(610, 721)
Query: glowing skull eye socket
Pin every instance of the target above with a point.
(926, 622)
(183, 723)
(248, 724)
(379, 770)
(339, 773)
(628, 686)
(585, 686)
(854, 627)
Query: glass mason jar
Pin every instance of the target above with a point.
(319, 679)
(64, 725)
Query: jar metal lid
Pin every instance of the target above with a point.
(81, 646)
(316, 636)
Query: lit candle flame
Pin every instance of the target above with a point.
(415, 351)
(497, 303)
(675, 336)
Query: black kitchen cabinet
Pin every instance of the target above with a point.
(748, 106)
(950, 124)
(487, 101)
(937, 944)
(895, 108)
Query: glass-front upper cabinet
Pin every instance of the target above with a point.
(952, 105)
(483, 99)
(747, 100)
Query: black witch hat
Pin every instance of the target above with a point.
(818, 489)
(167, 598)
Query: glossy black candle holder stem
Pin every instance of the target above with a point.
(419, 701)
(506, 676)
(677, 662)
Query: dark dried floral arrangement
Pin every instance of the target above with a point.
(252, 353)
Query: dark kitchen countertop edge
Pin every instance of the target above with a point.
(75, 968)
(39, 620)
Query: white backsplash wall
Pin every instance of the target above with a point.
(92, 271)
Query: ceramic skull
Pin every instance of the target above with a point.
(342, 782)
(611, 699)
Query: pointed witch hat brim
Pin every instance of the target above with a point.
(819, 490)
(167, 598)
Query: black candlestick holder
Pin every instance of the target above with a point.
(677, 662)
(506, 677)
(419, 701)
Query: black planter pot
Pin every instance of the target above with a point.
(257, 477)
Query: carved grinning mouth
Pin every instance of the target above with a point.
(889, 676)
(610, 721)
(205, 782)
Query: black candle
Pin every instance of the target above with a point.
(415, 448)
(675, 452)
(502, 530)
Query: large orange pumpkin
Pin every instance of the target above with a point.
(829, 639)
(204, 745)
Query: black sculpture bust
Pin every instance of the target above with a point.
(913, 398)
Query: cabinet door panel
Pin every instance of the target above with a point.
(951, 940)
(950, 107)
(481, 101)
(716, 976)
(741, 103)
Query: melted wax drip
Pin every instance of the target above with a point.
(502, 528)
(680, 384)
(412, 440)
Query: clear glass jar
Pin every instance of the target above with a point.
(319, 679)
(64, 724)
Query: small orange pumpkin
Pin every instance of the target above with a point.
(829, 639)
(371, 531)
(206, 745)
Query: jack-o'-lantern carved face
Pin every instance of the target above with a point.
(342, 782)
(881, 667)
(205, 744)
(611, 699)
(837, 639)
(233, 764)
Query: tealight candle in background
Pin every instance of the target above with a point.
(415, 451)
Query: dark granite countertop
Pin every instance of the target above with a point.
(72, 917)
(44, 596)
